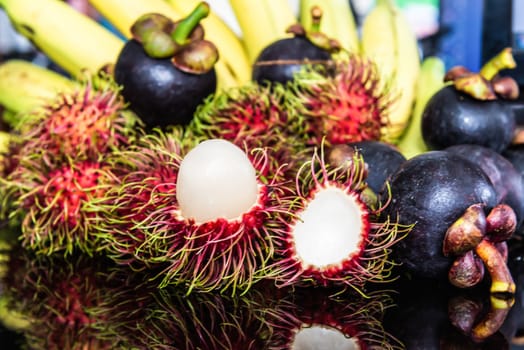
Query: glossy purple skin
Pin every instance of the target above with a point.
(432, 190)
(452, 118)
(382, 159)
(506, 179)
(158, 92)
(295, 49)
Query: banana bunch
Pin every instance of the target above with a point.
(430, 80)
(387, 38)
(71, 39)
(337, 22)
(262, 22)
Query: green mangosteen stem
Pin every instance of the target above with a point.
(316, 19)
(501, 281)
(476, 86)
(185, 26)
(504, 60)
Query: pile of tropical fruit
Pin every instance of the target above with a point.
(304, 154)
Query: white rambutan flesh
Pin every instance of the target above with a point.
(216, 180)
(329, 229)
(322, 337)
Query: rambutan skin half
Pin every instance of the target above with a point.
(348, 104)
(368, 258)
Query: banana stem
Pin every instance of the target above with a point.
(188, 24)
(504, 60)
(316, 19)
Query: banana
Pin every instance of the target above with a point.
(71, 39)
(123, 13)
(25, 85)
(229, 45)
(388, 39)
(337, 22)
(262, 22)
(430, 80)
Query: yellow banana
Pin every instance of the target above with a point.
(337, 22)
(430, 80)
(71, 39)
(262, 22)
(24, 85)
(123, 13)
(229, 45)
(388, 39)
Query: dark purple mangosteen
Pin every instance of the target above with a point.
(506, 179)
(459, 228)
(280, 60)
(473, 109)
(167, 69)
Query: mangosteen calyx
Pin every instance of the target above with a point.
(487, 84)
(182, 41)
(479, 242)
(314, 35)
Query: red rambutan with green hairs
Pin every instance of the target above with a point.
(335, 234)
(348, 103)
(62, 147)
(51, 204)
(249, 112)
(200, 209)
(83, 124)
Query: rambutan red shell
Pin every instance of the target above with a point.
(140, 222)
(350, 104)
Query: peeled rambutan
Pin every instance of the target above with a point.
(350, 103)
(204, 211)
(335, 235)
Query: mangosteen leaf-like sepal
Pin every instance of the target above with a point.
(182, 41)
(487, 85)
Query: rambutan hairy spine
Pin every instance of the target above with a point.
(366, 257)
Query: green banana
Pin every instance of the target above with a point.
(430, 80)
(69, 38)
(25, 85)
(337, 22)
(262, 22)
(388, 40)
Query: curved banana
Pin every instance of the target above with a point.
(71, 39)
(430, 80)
(123, 13)
(25, 85)
(229, 45)
(388, 39)
(338, 21)
(262, 22)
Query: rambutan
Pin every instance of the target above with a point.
(335, 235)
(348, 103)
(51, 203)
(204, 210)
(84, 124)
(56, 295)
(312, 318)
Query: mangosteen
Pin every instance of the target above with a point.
(473, 110)
(506, 179)
(381, 158)
(167, 69)
(280, 60)
(459, 227)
